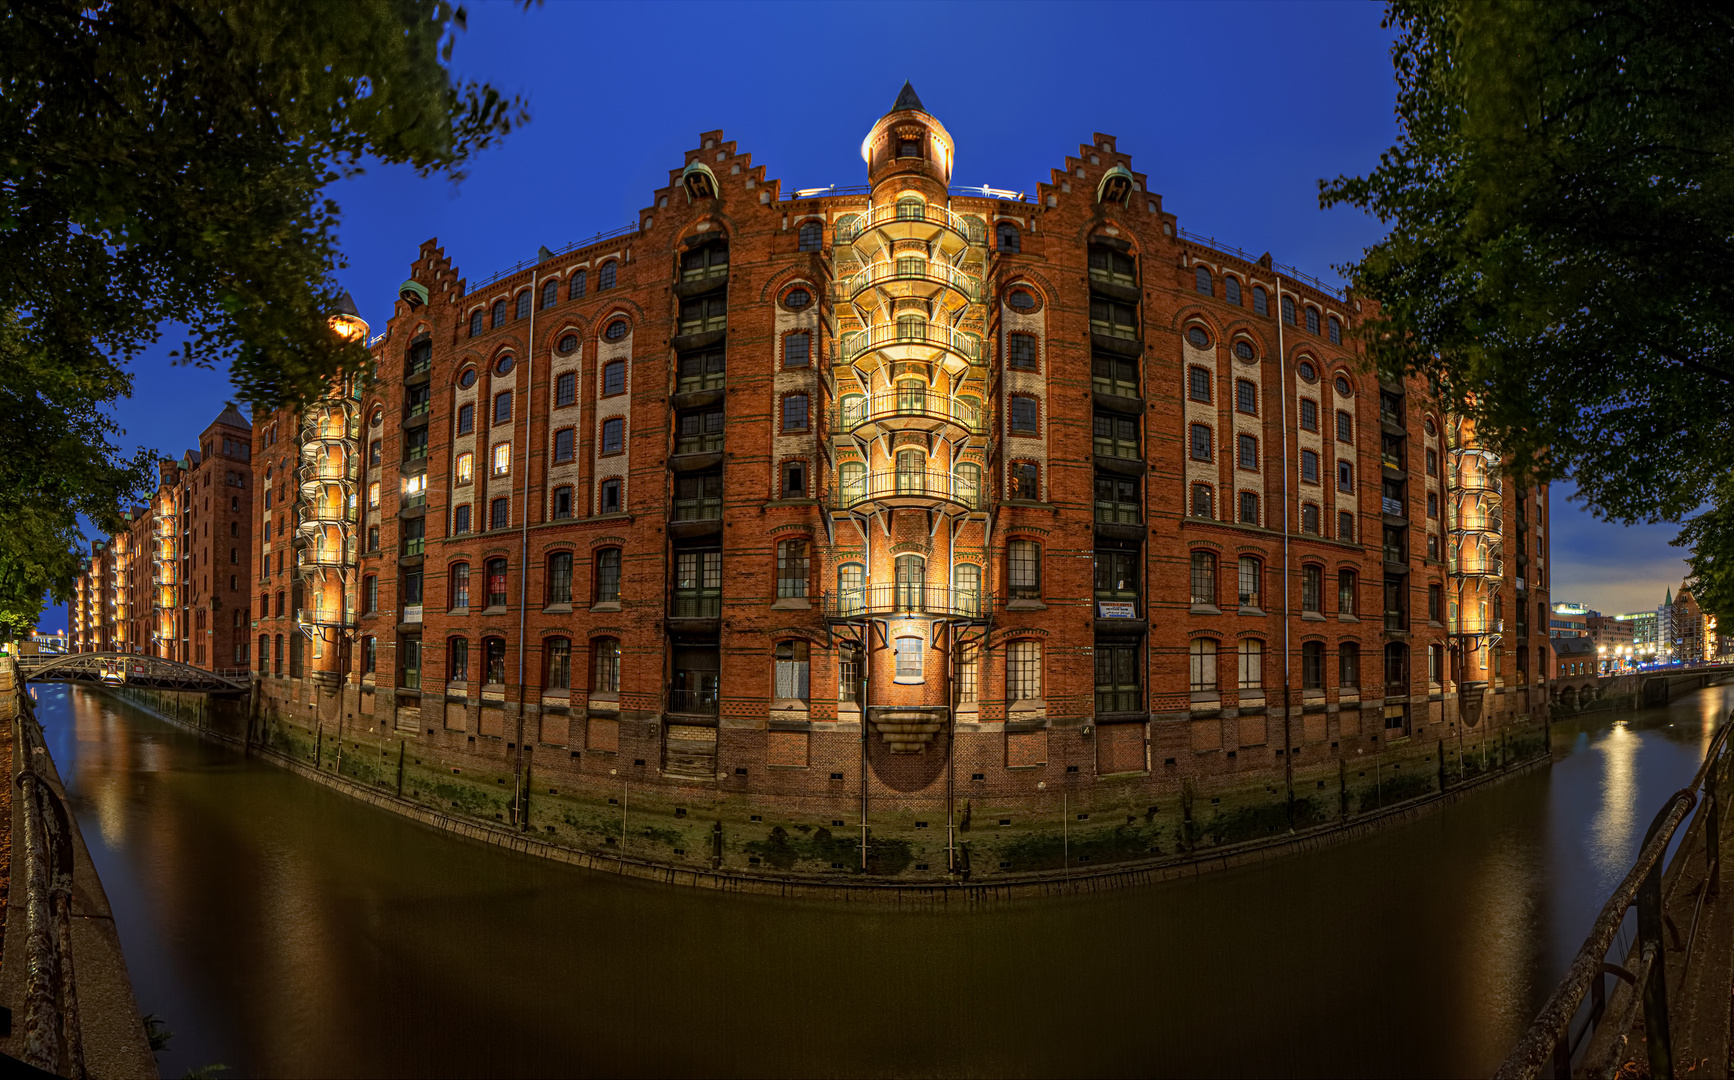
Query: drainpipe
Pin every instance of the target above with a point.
(1287, 705)
(520, 819)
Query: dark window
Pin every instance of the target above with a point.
(811, 236)
(1288, 310)
(1112, 318)
(1246, 451)
(1309, 414)
(499, 313)
(496, 582)
(550, 292)
(499, 513)
(797, 348)
(1115, 436)
(1117, 678)
(1345, 427)
(458, 666)
(410, 587)
(908, 148)
(502, 408)
(703, 314)
(557, 658)
(1312, 320)
(1346, 526)
(1116, 375)
(566, 388)
(1198, 384)
(576, 289)
(699, 432)
(1205, 285)
(1021, 299)
(1436, 603)
(562, 505)
(1312, 665)
(794, 479)
(608, 575)
(613, 435)
(460, 519)
(1111, 267)
(1310, 519)
(1345, 476)
(698, 498)
(523, 305)
(1117, 500)
(1020, 352)
(1260, 300)
(369, 654)
(1336, 330)
(1432, 462)
(1346, 603)
(795, 412)
(475, 322)
(1348, 665)
(458, 586)
(1200, 442)
(797, 298)
(563, 440)
(1312, 588)
(1203, 501)
(466, 424)
(1024, 569)
(560, 577)
(414, 536)
(700, 371)
(605, 276)
(1309, 462)
(1025, 481)
(1024, 415)
(1008, 236)
(369, 595)
(493, 660)
(415, 444)
(610, 496)
(1246, 396)
(613, 378)
(1231, 288)
(1204, 578)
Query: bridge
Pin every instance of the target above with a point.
(1572, 693)
(128, 669)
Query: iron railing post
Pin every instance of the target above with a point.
(1655, 988)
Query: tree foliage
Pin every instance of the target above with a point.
(163, 163)
(1560, 203)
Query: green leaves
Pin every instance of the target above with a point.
(162, 162)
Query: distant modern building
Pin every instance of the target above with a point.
(1643, 624)
(1568, 620)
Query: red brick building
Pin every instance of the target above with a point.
(888, 495)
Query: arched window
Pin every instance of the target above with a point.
(1203, 501)
(910, 580)
(264, 652)
(560, 577)
(557, 663)
(851, 589)
(851, 482)
(1008, 237)
(1260, 300)
(1251, 582)
(968, 483)
(911, 209)
(604, 666)
(1335, 329)
(496, 582)
(1024, 570)
(499, 313)
(608, 576)
(458, 585)
(1251, 665)
(458, 660)
(1203, 663)
(1397, 667)
(550, 292)
(911, 397)
(1205, 285)
(969, 411)
(811, 236)
(1231, 290)
(911, 472)
(1312, 665)
(475, 322)
(792, 670)
(1348, 665)
(277, 668)
(1312, 320)
(846, 228)
(1204, 578)
(966, 589)
(853, 408)
(523, 306)
(1288, 310)
(576, 289)
(605, 276)
(493, 660)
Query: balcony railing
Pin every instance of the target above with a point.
(694, 606)
(918, 404)
(698, 509)
(905, 598)
(891, 485)
(963, 282)
(931, 214)
(887, 335)
(700, 702)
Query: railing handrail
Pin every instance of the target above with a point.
(880, 334)
(883, 483)
(886, 403)
(933, 270)
(932, 213)
(1276, 267)
(890, 596)
(1549, 1039)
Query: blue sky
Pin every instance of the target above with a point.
(1234, 110)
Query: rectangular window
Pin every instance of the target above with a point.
(566, 388)
(910, 652)
(1024, 569)
(792, 568)
(559, 654)
(1246, 396)
(1309, 414)
(369, 596)
(369, 655)
(415, 444)
(409, 658)
(499, 514)
(794, 479)
(562, 503)
(699, 432)
(1247, 451)
(1436, 602)
(609, 497)
(1203, 501)
(1432, 504)
(463, 469)
(414, 536)
(700, 371)
(1024, 481)
(1312, 665)
(1020, 352)
(1348, 665)
(1311, 588)
(1346, 592)
(1023, 675)
(1203, 665)
(496, 583)
(373, 495)
(1115, 436)
(795, 413)
(608, 576)
(1345, 427)
(1200, 442)
(466, 424)
(1025, 415)
(411, 586)
(1345, 476)
(1251, 582)
(1117, 500)
(1204, 578)
(1251, 665)
(967, 666)
(460, 585)
(1309, 466)
(560, 578)
(1346, 526)
(1310, 519)
(1432, 462)
(503, 408)
(460, 519)
(372, 453)
(563, 440)
(1248, 508)
(797, 350)
(613, 378)
(1198, 384)
(1117, 689)
(502, 459)
(613, 435)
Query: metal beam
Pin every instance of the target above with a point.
(151, 672)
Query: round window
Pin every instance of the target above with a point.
(1243, 350)
(1431, 430)
(467, 378)
(1343, 386)
(1199, 339)
(797, 298)
(568, 343)
(616, 330)
(1307, 371)
(377, 418)
(503, 366)
(1021, 300)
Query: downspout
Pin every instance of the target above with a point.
(1287, 704)
(519, 819)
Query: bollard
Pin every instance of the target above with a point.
(400, 768)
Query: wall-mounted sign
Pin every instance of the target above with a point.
(1116, 609)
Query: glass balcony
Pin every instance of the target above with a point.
(695, 605)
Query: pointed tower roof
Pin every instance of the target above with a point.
(232, 416)
(1669, 602)
(907, 99)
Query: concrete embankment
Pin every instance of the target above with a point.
(738, 844)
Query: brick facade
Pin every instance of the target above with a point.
(887, 496)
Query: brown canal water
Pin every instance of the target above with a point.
(285, 930)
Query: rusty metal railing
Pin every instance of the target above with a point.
(1551, 1045)
(53, 1036)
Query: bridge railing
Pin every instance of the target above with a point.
(1551, 1045)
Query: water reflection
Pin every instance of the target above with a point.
(285, 930)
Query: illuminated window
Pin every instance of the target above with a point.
(465, 467)
(502, 461)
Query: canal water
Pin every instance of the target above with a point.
(284, 930)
